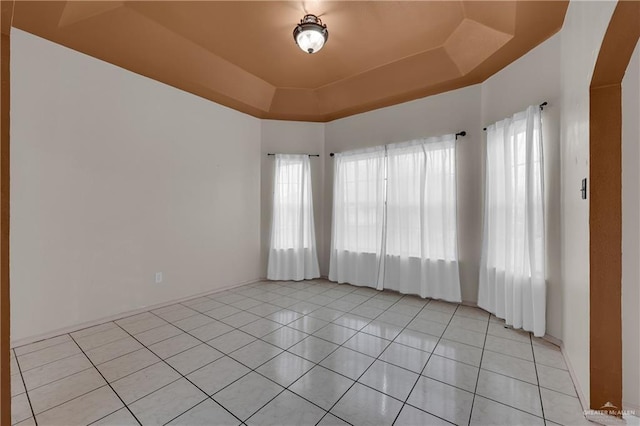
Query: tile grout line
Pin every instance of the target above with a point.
(204, 342)
(378, 357)
(108, 384)
(182, 376)
(25, 389)
(305, 313)
(535, 366)
(475, 390)
(423, 368)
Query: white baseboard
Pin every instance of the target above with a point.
(581, 396)
(77, 327)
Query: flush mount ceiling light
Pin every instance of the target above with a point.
(310, 34)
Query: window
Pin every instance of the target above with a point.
(394, 218)
(292, 255)
(512, 267)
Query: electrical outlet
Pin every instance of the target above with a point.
(158, 277)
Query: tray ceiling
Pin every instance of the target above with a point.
(241, 53)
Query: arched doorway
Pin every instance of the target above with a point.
(605, 207)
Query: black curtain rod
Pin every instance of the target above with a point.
(462, 133)
(542, 105)
(310, 155)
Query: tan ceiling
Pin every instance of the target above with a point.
(242, 54)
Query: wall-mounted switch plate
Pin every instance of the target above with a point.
(158, 277)
(583, 189)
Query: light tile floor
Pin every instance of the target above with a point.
(295, 353)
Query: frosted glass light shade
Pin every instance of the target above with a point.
(310, 34)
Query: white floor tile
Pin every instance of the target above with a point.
(193, 322)
(335, 333)
(509, 347)
(405, 356)
(143, 325)
(167, 403)
(42, 344)
(194, 358)
(454, 373)
(231, 341)
(487, 412)
(246, 328)
(284, 337)
(210, 331)
(562, 409)
(459, 352)
(158, 334)
(20, 408)
(367, 344)
(206, 413)
(556, 379)
(415, 339)
(287, 408)
(220, 373)
(124, 365)
(510, 366)
(261, 328)
(515, 393)
(389, 379)
(442, 400)
(142, 383)
(102, 338)
(56, 370)
(322, 387)
(362, 405)
(122, 417)
(381, 329)
(411, 416)
(313, 348)
(428, 327)
(284, 316)
(255, 354)
(285, 368)
(174, 345)
(347, 362)
(247, 395)
(82, 410)
(47, 355)
(63, 390)
(113, 350)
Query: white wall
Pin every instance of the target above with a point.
(584, 27)
(631, 234)
(533, 79)
(115, 177)
(290, 137)
(432, 116)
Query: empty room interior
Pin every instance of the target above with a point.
(320, 213)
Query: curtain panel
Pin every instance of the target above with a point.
(512, 268)
(292, 252)
(394, 218)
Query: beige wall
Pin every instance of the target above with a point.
(116, 177)
(631, 234)
(290, 137)
(581, 36)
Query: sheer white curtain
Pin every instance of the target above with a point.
(292, 255)
(512, 268)
(394, 218)
(421, 244)
(358, 217)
